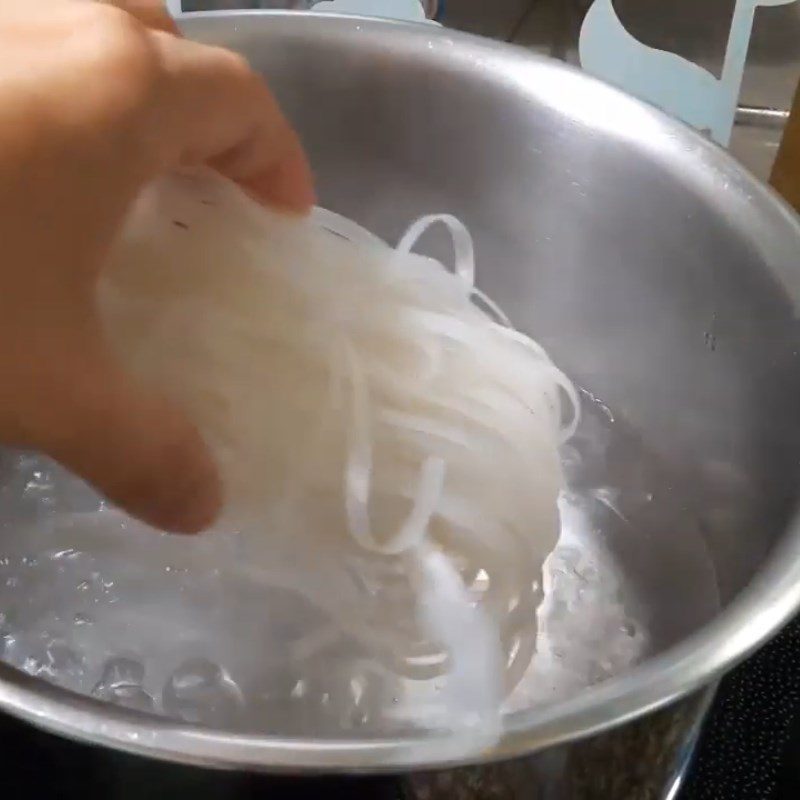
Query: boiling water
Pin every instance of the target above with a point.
(97, 603)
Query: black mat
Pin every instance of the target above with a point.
(750, 749)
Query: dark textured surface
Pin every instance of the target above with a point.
(36, 765)
(750, 749)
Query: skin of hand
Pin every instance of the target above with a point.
(96, 99)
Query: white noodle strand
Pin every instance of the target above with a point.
(463, 248)
(387, 441)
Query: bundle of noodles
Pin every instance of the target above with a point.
(388, 443)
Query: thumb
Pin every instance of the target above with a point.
(137, 449)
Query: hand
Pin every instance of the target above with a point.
(95, 100)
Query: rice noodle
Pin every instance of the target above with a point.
(388, 442)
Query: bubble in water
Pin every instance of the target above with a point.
(69, 552)
(324, 696)
(7, 642)
(121, 683)
(361, 696)
(39, 485)
(32, 666)
(202, 692)
(58, 662)
(61, 660)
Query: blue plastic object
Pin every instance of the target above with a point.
(678, 86)
(411, 10)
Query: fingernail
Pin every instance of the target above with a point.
(288, 187)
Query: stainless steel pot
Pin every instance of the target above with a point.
(660, 275)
